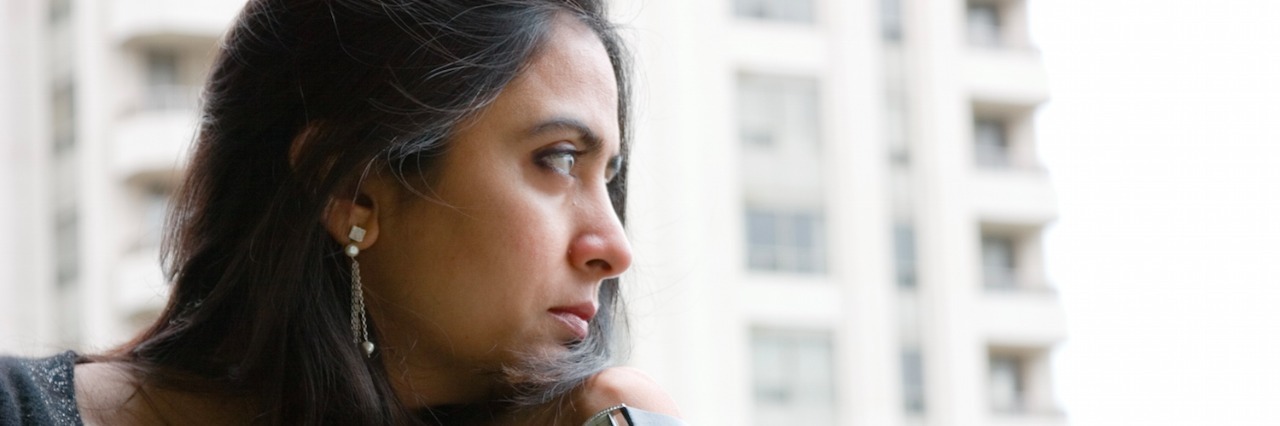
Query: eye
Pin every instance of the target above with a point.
(560, 159)
(611, 171)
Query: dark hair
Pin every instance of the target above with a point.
(260, 297)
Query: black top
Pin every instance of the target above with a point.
(39, 392)
(42, 392)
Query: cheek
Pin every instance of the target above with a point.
(543, 236)
(529, 226)
(504, 238)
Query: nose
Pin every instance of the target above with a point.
(600, 247)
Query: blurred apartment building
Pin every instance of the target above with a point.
(837, 210)
(836, 206)
(99, 107)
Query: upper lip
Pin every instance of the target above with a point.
(585, 310)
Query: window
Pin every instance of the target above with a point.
(758, 119)
(891, 20)
(999, 267)
(912, 381)
(1007, 383)
(895, 123)
(67, 245)
(991, 143)
(777, 110)
(781, 173)
(155, 207)
(799, 11)
(64, 118)
(59, 11)
(785, 241)
(984, 24)
(164, 89)
(792, 378)
(904, 254)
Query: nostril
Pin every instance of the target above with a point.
(600, 264)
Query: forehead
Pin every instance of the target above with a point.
(573, 55)
(570, 77)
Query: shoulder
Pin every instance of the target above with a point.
(38, 391)
(104, 392)
(110, 393)
(626, 385)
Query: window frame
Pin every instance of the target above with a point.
(786, 253)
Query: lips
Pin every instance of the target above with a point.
(575, 318)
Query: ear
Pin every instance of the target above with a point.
(299, 141)
(345, 211)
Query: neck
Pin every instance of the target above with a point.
(424, 378)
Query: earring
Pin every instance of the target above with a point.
(359, 327)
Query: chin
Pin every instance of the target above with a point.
(533, 367)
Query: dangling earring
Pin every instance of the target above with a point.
(359, 328)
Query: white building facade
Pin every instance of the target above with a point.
(836, 206)
(837, 211)
(102, 110)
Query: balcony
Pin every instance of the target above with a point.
(1008, 75)
(791, 300)
(139, 285)
(1050, 417)
(1022, 316)
(772, 47)
(156, 138)
(1013, 195)
(139, 19)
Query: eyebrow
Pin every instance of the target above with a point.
(592, 140)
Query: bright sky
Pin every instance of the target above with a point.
(1163, 141)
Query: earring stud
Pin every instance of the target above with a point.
(356, 236)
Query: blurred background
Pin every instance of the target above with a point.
(844, 212)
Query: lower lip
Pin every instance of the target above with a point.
(573, 323)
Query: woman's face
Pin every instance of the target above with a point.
(505, 255)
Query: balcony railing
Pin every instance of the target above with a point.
(999, 278)
(171, 97)
(990, 156)
(988, 36)
(1005, 69)
(1007, 279)
(1016, 195)
(133, 20)
(1035, 416)
(1030, 316)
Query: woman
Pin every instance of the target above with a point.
(397, 212)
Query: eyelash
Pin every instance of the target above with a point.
(547, 159)
(612, 169)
